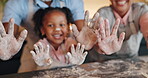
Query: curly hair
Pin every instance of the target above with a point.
(39, 16)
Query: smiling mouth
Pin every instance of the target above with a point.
(57, 36)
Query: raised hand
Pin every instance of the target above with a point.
(87, 35)
(76, 56)
(9, 45)
(109, 42)
(41, 55)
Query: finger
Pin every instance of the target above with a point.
(41, 47)
(85, 54)
(121, 38)
(22, 37)
(97, 31)
(69, 55)
(72, 49)
(47, 49)
(86, 18)
(82, 49)
(67, 58)
(115, 27)
(97, 23)
(99, 36)
(78, 47)
(102, 29)
(2, 30)
(36, 49)
(33, 53)
(75, 30)
(107, 28)
(99, 39)
(94, 20)
(11, 27)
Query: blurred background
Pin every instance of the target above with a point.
(2, 3)
(91, 5)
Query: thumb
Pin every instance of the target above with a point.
(121, 38)
(69, 55)
(22, 36)
(85, 54)
(33, 53)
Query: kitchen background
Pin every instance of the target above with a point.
(91, 5)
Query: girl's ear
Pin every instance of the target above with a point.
(42, 31)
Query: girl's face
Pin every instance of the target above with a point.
(55, 27)
(121, 6)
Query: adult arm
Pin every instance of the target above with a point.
(14, 9)
(77, 9)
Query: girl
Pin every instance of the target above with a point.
(52, 25)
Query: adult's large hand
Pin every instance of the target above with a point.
(109, 42)
(87, 35)
(9, 45)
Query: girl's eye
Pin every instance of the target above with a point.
(50, 25)
(62, 25)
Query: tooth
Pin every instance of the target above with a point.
(121, 2)
(56, 35)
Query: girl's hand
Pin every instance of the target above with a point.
(77, 56)
(41, 55)
(9, 45)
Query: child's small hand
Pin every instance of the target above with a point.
(41, 55)
(77, 56)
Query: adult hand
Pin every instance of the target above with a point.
(77, 56)
(41, 55)
(87, 35)
(9, 45)
(109, 42)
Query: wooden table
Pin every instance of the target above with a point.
(108, 69)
